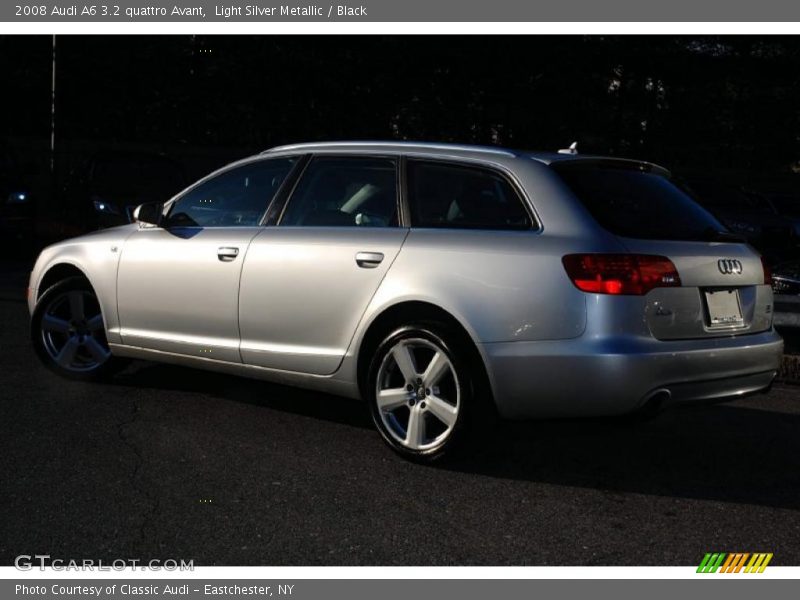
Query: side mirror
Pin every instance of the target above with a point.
(148, 213)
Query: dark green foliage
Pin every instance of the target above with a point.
(730, 103)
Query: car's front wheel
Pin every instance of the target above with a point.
(68, 332)
(421, 391)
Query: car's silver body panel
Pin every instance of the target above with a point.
(97, 256)
(175, 295)
(303, 295)
(294, 307)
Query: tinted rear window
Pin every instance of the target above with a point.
(636, 202)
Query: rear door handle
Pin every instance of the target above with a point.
(227, 254)
(369, 260)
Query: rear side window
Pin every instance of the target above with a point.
(462, 197)
(638, 202)
(345, 192)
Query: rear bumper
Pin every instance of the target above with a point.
(608, 376)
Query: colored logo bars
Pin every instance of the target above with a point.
(734, 562)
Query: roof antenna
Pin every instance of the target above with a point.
(573, 149)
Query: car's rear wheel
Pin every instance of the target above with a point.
(68, 332)
(421, 391)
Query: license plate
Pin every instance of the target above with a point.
(724, 309)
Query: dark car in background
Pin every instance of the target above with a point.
(785, 204)
(786, 278)
(105, 189)
(786, 287)
(17, 210)
(750, 216)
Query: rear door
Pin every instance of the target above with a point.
(723, 290)
(307, 282)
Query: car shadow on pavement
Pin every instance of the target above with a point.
(728, 452)
(248, 391)
(735, 452)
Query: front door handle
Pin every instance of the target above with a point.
(369, 260)
(227, 254)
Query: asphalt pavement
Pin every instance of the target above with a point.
(168, 462)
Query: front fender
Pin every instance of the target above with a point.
(97, 256)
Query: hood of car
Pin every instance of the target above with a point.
(111, 235)
(786, 278)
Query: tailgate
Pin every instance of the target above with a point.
(722, 291)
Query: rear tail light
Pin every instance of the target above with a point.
(628, 274)
(767, 272)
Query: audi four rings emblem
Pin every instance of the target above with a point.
(729, 266)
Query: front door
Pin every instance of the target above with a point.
(178, 285)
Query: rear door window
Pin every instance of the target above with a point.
(445, 195)
(638, 201)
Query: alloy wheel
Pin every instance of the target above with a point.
(418, 394)
(72, 331)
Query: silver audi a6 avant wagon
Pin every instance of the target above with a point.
(436, 282)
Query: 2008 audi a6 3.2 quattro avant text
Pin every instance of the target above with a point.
(433, 281)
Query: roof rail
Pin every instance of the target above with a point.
(403, 144)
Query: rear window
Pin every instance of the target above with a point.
(637, 201)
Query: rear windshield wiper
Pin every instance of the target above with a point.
(715, 235)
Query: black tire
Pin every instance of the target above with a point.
(458, 390)
(82, 346)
